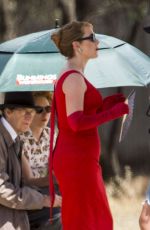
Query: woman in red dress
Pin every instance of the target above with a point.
(80, 110)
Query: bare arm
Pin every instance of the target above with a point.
(40, 182)
(28, 176)
(74, 88)
(144, 220)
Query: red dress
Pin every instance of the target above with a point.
(77, 169)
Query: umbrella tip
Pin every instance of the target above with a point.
(57, 23)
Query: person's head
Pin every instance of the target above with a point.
(19, 110)
(43, 102)
(76, 38)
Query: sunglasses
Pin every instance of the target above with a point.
(40, 109)
(91, 37)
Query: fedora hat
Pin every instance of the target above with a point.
(18, 99)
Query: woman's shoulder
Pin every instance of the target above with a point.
(74, 81)
(47, 129)
(71, 75)
(46, 133)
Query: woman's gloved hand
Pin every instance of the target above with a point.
(112, 100)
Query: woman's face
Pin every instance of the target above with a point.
(89, 44)
(41, 119)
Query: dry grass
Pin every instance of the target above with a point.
(125, 213)
(125, 198)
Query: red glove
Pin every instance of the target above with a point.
(110, 101)
(79, 121)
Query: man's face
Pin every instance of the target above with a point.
(20, 118)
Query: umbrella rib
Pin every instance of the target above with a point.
(5, 52)
(106, 48)
(38, 52)
(119, 45)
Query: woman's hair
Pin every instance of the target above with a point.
(46, 94)
(64, 36)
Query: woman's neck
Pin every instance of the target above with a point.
(36, 132)
(77, 64)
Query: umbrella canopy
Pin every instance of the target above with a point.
(32, 62)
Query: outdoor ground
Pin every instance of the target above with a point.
(126, 201)
(126, 213)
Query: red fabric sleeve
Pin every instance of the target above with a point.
(79, 121)
(110, 101)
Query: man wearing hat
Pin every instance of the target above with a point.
(17, 113)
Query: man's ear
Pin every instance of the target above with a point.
(7, 112)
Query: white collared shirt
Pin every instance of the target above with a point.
(9, 128)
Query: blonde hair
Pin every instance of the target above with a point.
(46, 94)
(64, 36)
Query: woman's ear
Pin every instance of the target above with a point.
(75, 45)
